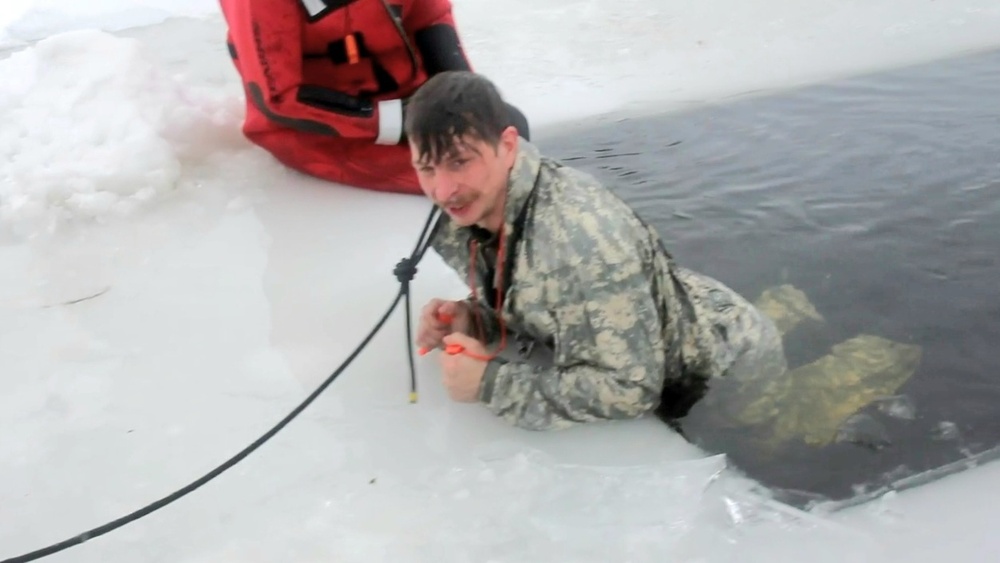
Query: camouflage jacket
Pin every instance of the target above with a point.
(592, 285)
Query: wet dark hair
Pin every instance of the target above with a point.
(450, 106)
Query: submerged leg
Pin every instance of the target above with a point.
(757, 403)
(787, 306)
(817, 399)
(760, 404)
(824, 394)
(814, 403)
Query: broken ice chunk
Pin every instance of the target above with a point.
(898, 406)
(946, 430)
(863, 430)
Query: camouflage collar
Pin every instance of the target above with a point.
(520, 184)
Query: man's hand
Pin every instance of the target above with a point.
(463, 373)
(440, 318)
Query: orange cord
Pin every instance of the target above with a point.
(458, 348)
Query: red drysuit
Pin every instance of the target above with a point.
(324, 80)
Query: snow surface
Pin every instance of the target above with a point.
(168, 292)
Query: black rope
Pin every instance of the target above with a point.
(404, 272)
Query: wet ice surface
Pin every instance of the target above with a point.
(211, 309)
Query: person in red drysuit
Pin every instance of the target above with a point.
(327, 81)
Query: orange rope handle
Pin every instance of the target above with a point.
(458, 348)
(443, 318)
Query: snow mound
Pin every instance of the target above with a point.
(30, 20)
(93, 130)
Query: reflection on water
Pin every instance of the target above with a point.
(877, 197)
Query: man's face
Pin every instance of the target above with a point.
(469, 183)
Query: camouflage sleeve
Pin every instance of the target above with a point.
(608, 360)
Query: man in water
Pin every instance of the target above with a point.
(605, 324)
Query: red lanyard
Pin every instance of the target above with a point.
(499, 269)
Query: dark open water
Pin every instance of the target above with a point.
(880, 198)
